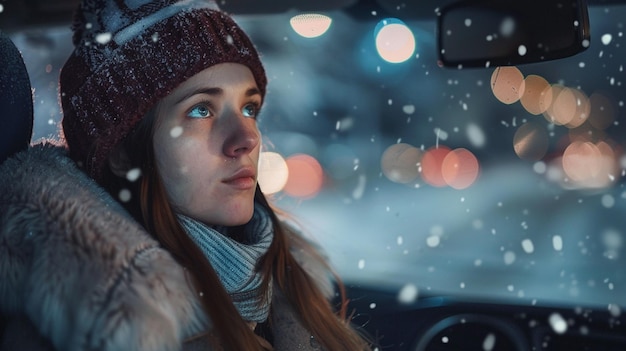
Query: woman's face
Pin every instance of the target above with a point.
(207, 144)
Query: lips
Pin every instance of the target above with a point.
(242, 179)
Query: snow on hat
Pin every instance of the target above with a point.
(128, 55)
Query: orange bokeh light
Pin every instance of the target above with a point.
(564, 106)
(583, 109)
(460, 168)
(432, 162)
(581, 161)
(537, 95)
(590, 165)
(507, 84)
(306, 176)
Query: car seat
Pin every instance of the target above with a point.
(16, 107)
(16, 100)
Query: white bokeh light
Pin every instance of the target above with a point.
(395, 41)
(310, 25)
(273, 172)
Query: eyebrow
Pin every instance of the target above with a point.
(215, 92)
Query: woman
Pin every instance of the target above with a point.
(187, 196)
(160, 100)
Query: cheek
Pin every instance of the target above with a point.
(167, 158)
(174, 160)
(172, 152)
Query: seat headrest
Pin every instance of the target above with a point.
(16, 100)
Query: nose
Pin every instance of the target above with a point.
(242, 135)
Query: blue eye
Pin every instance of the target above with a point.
(199, 111)
(250, 110)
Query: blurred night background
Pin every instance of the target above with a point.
(531, 217)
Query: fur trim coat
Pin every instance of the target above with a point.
(78, 273)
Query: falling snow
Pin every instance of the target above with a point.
(103, 38)
(124, 195)
(521, 50)
(557, 243)
(408, 109)
(433, 241)
(408, 294)
(133, 174)
(558, 323)
(476, 135)
(509, 257)
(571, 237)
(176, 132)
(490, 342)
(528, 246)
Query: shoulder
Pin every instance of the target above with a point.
(43, 172)
(68, 246)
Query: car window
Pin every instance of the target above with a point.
(529, 205)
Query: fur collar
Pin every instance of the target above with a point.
(80, 268)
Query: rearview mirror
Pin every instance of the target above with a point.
(483, 33)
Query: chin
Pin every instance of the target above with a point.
(240, 218)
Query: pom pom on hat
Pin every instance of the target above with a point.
(128, 55)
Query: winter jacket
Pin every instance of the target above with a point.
(78, 273)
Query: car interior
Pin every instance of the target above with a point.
(460, 162)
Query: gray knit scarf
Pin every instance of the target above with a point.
(235, 261)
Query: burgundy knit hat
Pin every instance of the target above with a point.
(128, 55)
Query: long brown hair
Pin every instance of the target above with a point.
(150, 205)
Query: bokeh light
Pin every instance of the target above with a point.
(310, 25)
(537, 95)
(400, 163)
(507, 84)
(564, 105)
(590, 165)
(569, 107)
(273, 172)
(583, 109)
(395, 41)
(531, 141)
(306, 176)
(580, 161)
(432, 162)
(602, 112)
(609, 164)
(460, 168)
(508, 26)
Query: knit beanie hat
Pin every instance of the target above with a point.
(128, 55)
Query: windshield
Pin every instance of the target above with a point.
(528, 206)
